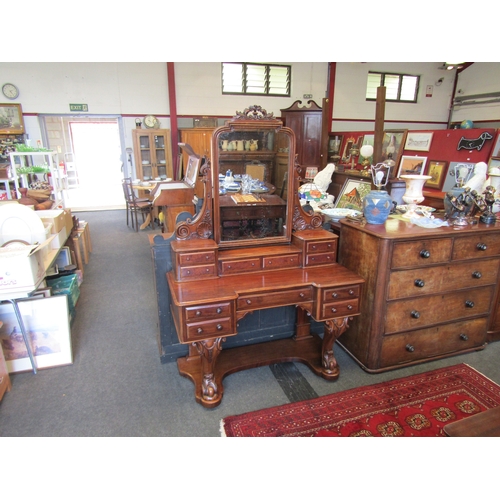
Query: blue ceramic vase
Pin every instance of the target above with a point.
(377, 207)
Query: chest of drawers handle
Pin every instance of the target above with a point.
(415, 314)
(218, 310)
(464, 336)
(199, 330)
(477, 274)
(219, 327)
(425, 254)
(419, 283)
(482, 246)
(334, 295)
(409, 348)
(469, 304)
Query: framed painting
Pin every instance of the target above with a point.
(392, 145)
(495, 153)
(418, 141)
(412, 165)
(352, 193)
(334, 144)
(11, 119)
(46, 321)
(437, 170)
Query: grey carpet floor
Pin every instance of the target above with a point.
(117, 385)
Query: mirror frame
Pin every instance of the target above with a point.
(253, 119)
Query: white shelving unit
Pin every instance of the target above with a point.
(49, 158)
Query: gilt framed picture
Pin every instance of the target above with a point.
(437, 170)
(46, 322)
(11, 119)
(412, 165)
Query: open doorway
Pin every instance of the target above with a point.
(91, 149)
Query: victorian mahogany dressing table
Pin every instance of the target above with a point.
(220, 276)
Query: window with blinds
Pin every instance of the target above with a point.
(256, 79)
(399, 88)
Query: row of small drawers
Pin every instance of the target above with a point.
(441, 250)
(218, 319)
(203, 264)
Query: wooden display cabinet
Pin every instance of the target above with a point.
(200, 140)
(306, 122)
(152, 153)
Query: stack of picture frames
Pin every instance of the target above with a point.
(46, 316)
(420, 165)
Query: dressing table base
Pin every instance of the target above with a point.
(208, 368)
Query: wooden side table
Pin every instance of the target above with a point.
(5, 384)
(484, 424)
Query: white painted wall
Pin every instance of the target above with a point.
(480, 78)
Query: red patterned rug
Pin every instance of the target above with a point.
(419, 405)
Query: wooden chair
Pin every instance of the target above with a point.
(136, 205)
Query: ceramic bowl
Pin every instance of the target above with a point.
(335, 214)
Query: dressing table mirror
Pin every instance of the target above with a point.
(250, 248)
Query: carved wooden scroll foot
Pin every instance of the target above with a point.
(334, 328)
(209, 351)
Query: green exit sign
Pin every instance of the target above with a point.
(78, 107)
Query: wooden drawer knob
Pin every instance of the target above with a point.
(464, 337)
(419, 283)
(469, 304)
(477, 275)
(425, 254)
(409, 348)
(415, 314)
(482, 246)
(218, 310)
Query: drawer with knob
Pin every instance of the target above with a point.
(280, 262)
(194, 258)
(209, 329)
(476, 247)
(418, 312)
(198, 313)
(426, 280)
(240, 266)
(196, 272)
(250, 302)
(421, 252)
(339, 309)
(435, 341)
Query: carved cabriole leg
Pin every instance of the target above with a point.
(334, 328)
(209, 351)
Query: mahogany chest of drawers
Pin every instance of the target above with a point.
(428, 293)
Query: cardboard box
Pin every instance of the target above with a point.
(68, 221)
(22, 268)
(57, 217)
(59, 239)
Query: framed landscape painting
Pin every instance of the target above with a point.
(412, 165)
(11, 119)
(352, 194)
(46, 321)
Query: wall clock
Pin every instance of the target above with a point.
(10, 91)
(151, 121)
